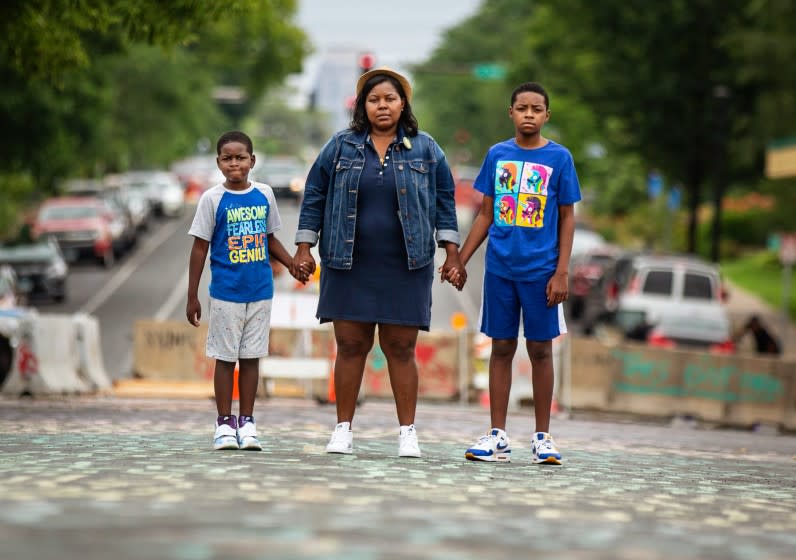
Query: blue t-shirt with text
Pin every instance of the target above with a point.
(237, 225)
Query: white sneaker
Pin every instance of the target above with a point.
(342, 440)
(407, 442)
(544, 449)
(226, 437)
(493, 447)
(247, 437)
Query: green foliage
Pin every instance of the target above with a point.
(762, 274)
(104, 85)
(278, 129)
(16, 190)
(47, 39)
(154, 125)
(464, 114)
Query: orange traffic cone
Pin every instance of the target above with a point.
(554, 408)
(235, 388)
(483, 399)
(331, 395)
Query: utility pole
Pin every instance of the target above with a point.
(721, 104)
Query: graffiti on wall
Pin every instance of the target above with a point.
(700, 378)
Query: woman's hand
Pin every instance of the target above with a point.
(453, 271)
(303, 263)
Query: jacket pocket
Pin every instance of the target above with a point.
(420, 173)
(342, 173)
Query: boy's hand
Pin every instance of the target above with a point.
(298, 272)
(193, 311)
(453, 271)
(557, 289)
(304, 263)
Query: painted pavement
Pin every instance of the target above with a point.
(108, 478)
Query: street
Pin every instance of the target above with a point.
(103, 477)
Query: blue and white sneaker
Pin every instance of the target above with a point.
(544, 449)
(226, 436)
(493, 447)
(247, 436)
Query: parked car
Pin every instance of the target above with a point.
(586, 287)
(8, 287)
(116, 197)
(670, 301)
(82, 226)
(39, 267)
(284, 174)
(163, 190)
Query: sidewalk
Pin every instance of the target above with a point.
(99, 478)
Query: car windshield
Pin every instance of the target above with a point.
(21, 253)
(68, 212)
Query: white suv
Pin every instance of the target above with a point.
(674, 301)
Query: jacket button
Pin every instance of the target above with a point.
(403, 191)
(401, 167)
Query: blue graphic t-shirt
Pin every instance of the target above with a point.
(527, 186)
(237, 224)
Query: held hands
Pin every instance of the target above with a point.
(557, 289)
(303, 265)
(193, 311)
(453, 271)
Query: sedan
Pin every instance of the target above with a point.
(39, 267)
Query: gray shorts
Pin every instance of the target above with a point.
(238, 330)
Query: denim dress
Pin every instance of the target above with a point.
(379, 287)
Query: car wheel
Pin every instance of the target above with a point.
(6, 359)
(108, 259)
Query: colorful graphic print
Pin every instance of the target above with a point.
(506, 176)
(535, 178)
(505, 210)
(531, 210)
(247, 240)
(521, 202)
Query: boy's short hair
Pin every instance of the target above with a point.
(532, 87)
(235, 136)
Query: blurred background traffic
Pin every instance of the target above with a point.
(681, 121)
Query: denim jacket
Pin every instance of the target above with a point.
(425, 198)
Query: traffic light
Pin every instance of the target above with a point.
(366, 62)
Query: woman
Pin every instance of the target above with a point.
(374, 198)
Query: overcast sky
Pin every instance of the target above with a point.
(398, 33)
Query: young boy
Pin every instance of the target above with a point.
(530, 188)
(236, 221)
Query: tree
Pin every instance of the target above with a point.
(659, 68)
(93, 85)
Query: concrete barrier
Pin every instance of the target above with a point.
(46, 357)
(733, 390)
(437, 356)
(170, 350)
(91, 366)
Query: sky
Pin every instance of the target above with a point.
(397, 33)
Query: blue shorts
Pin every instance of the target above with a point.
(502, 301)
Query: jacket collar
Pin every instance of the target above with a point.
(359, 138)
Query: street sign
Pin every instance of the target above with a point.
(491, 71)
(654, 184)
(781, 159)
(674, 198)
